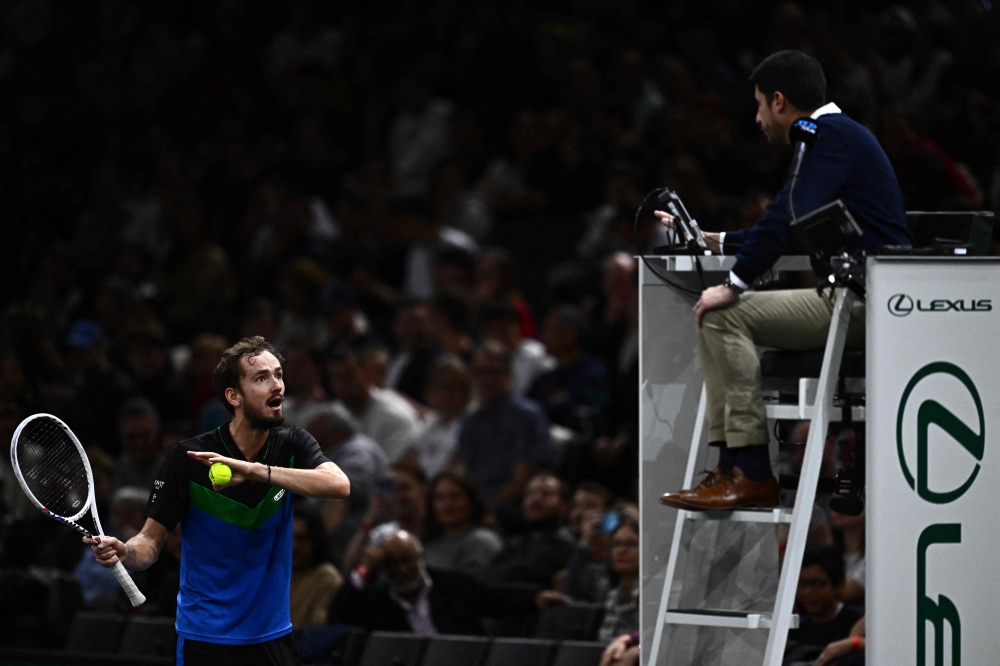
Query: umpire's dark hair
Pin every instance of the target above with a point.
(229, 372)
(797, 76)
(827, 557)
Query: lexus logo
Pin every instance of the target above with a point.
(900, 305)
(930, 412)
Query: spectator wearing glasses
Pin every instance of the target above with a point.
(621, 608)
(825, 618)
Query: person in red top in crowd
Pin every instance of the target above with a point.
(495, 282)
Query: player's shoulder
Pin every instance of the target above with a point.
(293, 434)
(206, 441)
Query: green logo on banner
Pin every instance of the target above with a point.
(931, 412)
(941, 611)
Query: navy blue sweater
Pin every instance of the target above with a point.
(846, 163)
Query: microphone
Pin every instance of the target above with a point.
(802, 134)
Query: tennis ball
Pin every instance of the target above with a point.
(220, 474)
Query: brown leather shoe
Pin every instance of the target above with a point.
(734, 491)
(678, 500)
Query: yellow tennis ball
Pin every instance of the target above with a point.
(220, 474)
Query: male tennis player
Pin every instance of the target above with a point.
(236, 562)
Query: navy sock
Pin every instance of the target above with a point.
(727, 458)
(755, 461)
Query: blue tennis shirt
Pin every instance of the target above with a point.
(236, 557)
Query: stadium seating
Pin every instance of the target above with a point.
(574, 621)
(390, 649)
(520, 651)
(578, 653)
(455, 651)
(95, 632)
(153, 636)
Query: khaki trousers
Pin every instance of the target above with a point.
(796, 319)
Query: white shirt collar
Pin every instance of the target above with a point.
(829, 107)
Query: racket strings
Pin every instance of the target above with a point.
(52, 467)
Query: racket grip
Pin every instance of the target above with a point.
(134, 595)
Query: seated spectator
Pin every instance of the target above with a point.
(577, 386)
(457, 536)
(501, 322)
(849, 533)
(381, 414)
(394, 590)
(452, 325)
(586, 576)
(495, 282)
(149, 371)
(375, 363)
(502, 443)
(98, 389)
(854, 643)
(204, 407)
(140, 459)
(409, 370)
(448, 395)
(314, 579)
(824, 618)
(304, 393)
(360, 458)
(621, 608)
(546, 545)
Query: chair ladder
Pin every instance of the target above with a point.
(778, 622)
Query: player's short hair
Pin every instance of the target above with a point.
(229, 371)
(798, 76)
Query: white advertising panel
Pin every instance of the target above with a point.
(933, 462)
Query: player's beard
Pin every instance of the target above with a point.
(259, 420)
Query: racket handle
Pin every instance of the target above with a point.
(134, 595)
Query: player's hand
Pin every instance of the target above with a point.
(242, 470)
(713, 298)
(108, 551)
(665, 218)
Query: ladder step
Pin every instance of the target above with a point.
(795, 412)
(719, 618)
(775, 515)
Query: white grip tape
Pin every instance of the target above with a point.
(134, 595)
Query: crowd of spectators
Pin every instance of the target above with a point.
(431, 208)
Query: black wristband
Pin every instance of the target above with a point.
(733, 287)
(268, 474)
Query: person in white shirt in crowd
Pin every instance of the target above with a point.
(501, 322)
(382, 414)
(409, 370)
(449, 393)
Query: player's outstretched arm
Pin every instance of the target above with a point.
(327, 481)
(137, 554)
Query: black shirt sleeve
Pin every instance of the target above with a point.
(306, 450)
(169, 497)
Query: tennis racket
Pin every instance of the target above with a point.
(53, 469)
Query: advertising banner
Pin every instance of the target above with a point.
(933, 464)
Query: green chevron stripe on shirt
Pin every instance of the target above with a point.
(234, 513)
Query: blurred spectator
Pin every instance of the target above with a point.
(849, 533)
(457, 535)
(419, 135)
(409, 369)
(621, 609)
(448, 396)
(503, 442)
(495, 281)
(97, 389)
(141, 456)
(303, 374)
(314, 579)
(546, 545)
(360, 458)
(345, 323)
(301, 286)
(623, 651)
(399, 592)
(150, 371)
(205, 408)
(375, 362)
(501, 322)
(825, 618)
(382, 414)
(572, 392)
(586, 575)
(260, 319)
(451, 325)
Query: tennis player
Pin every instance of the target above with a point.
(236, 562)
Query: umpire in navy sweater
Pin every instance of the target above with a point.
(846, 163)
